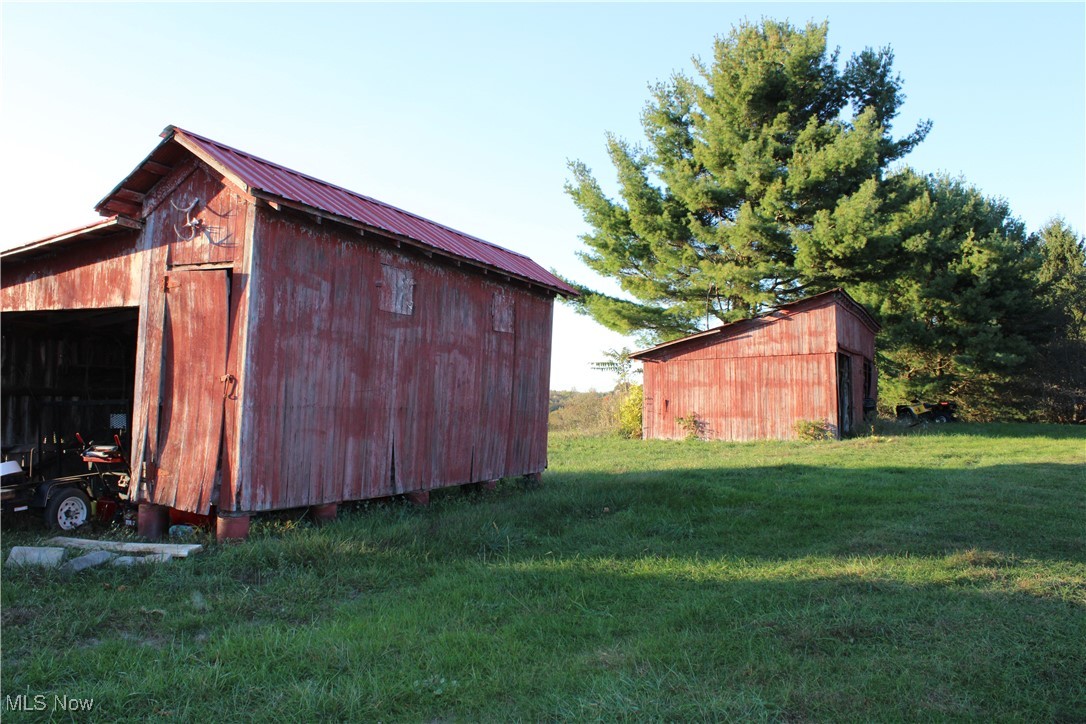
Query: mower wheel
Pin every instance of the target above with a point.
(68, 509)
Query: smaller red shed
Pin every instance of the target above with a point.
(756, 378)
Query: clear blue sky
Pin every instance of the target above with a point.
(467, 114)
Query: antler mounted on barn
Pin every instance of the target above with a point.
(194, 225)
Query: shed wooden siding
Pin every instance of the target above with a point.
(788, 333)
(751, 385)
(96, 274)
(739, 398)
(345, 400)
(853, 333)
(758, 377)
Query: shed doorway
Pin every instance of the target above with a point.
(65, 372)
(844, 395)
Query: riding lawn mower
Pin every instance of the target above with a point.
(917, 412)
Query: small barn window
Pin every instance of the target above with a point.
(503, 312)
(397, 290)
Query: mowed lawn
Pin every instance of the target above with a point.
(938, 574)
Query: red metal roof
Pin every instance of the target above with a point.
(266, 179)
(729, 327)
(93, 230)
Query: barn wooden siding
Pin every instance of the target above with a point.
(754, 379)
(102, 270)
(373, 371)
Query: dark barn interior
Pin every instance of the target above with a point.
(65, 372)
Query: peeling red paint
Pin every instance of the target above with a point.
(366, 400)
(104, 271)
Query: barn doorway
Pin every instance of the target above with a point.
(194, 386)
(65, 372)
(844, 395)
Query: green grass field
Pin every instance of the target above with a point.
(931, 576)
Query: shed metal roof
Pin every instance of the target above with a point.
(272, 182)
(725, 330)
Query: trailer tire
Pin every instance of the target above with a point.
(68, 509)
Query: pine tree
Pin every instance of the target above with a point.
(1063, 276)
(754, 188)
(957, 297)
(1058, 383)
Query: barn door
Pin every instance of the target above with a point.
(844, 395)
(193, 365)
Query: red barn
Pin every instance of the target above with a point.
(755, 379)
(272, 341)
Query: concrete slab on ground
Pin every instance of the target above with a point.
(176, 550)
(89, 560)
(46, 557)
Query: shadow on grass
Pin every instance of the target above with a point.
(789, 511)
(334, 632)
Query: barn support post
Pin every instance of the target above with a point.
(479, 487)
(231, 527)
(420, 497)
(324, 513)
(152, 520)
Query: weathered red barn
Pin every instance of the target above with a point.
(755, 379)
(276, 341)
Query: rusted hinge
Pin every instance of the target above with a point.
(166, 286)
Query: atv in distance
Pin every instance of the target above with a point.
(917, 412)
